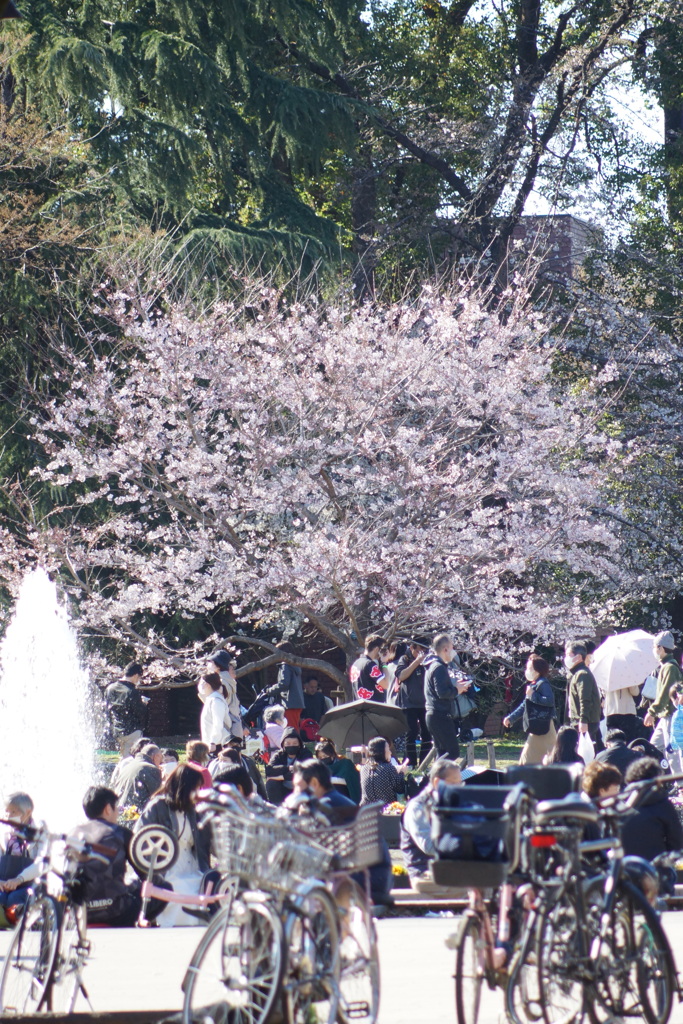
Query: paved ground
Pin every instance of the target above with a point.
(141, 970)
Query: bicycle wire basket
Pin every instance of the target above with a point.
(266, 852)
(357, 845)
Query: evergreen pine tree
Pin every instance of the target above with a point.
(197, 111)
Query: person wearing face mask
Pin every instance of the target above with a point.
(440, 689)
(225, 665)
(212, 727)
(343, 770)
(668, 675)
(583, 695)
(17, 858)
(280, 768)
(537, 712)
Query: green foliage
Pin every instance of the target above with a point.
(174, 97)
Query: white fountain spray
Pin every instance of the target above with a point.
(47, 743)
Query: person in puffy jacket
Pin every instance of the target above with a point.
(654, 827)
(440, 690)
(537, 712)
(109, 899)
(140, 777)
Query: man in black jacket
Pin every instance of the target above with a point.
(654, 827)
(367, 675)
(126, 707)
(108, 898)
(440, 690)
(410, 673)
(315, 704)
(617, 753)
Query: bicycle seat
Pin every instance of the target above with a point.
(570, 807)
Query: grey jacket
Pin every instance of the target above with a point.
(137, 781)
(289, 681)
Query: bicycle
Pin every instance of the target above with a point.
(278, 936)
(592, 941)
(49, 949)
(495, 814)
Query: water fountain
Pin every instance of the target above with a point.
(47, 742)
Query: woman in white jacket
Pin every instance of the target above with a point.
(214, 713)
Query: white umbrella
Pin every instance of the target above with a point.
(625, 659)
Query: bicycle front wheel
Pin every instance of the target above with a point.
(522, 993)
(236, 970)
(470, 969)
(27, 968)
(655, 969)
(313, 963)
(65, 981)
(562, 964)
(359, 959)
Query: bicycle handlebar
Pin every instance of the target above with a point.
(32, 832)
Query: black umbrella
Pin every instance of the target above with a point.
(355, 724)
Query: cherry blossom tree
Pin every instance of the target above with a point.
(404, 468)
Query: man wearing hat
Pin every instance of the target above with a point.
(410, 675)
(224, 663)
(661, 709)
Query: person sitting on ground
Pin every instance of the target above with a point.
(140, 778)
(170, 761)
(341, 768)
(236, 775)
(197, 754)
(654, 826)
(226, 757)
(380, 781)
(173, 807)
(120, 765)
(315, 702)
(616, 752)
(275, 724)
(566, 749)
(19, 866)
(279, 770)
(314, 777)
(417, 845)
(108, 898)
(601, 781)
(236, 746)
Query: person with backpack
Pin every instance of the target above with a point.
(126, 708)
(108, 898)
(537, 712)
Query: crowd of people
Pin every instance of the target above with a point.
(152, 785)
